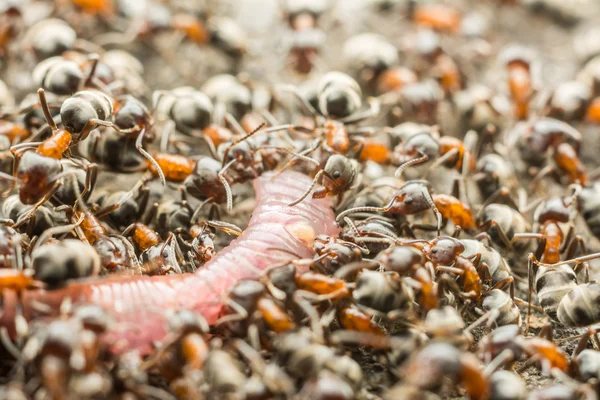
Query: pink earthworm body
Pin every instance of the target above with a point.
(139, 303)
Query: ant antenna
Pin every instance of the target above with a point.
(309, 190)
(410, 163)
(221, 178)
(138, 145)
(46, 110)
(240, 141)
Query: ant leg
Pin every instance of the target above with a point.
(530, 279)
(239, 314)
(576, 243)
(301, 298)
(291, 162)
(568, 240)
(501, 196)
(91, 174)
(235, 125)
(151, 214)
(586, 270)
(303, 100)
(480, 237)
(138, 146)
(373, 110)
(548, 170)
(501, 359)
(501, 233)
(441, 160)
(435, 210)
(309, 190)
(94, 58)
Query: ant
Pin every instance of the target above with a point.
(339, 101)
(518, 66)
(506, 345)
(432, 365)
(415, 197)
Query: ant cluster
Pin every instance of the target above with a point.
(462, 179)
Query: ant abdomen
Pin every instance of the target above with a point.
(579, 307)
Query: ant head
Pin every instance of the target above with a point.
(444, 250)
(339, 173)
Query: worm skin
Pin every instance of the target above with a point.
(139, 303)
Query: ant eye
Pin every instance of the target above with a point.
(337, 174)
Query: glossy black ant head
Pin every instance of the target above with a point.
(58, 75)
(444, 250)
(553, 209)
(51, 37)
(230, 92)
(191, 111)
(204, 182)
(130, 112)
(339, 173)
(79, 110)
(36, 173)
(339, 95)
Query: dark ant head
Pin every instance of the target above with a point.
(36, 173)
(444, 250)
(417, 145)
(115, 150)
(78, 110)
(412, 198)
(204, 182)
(553, 209)
(339, 95)
(401, 259)
(130, 112)
(51, 37)
(58, 75)
(339, 173)
(191, 112)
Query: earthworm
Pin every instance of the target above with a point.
(139, 303)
